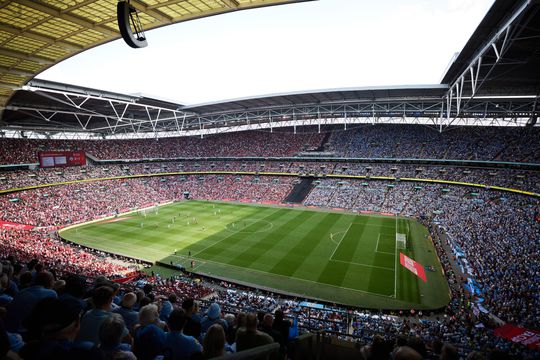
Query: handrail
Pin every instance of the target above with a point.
(255, 353)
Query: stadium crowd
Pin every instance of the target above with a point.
(514, 178)
(249, 143)
(476, 229)
(73, 203)
(419, 142)
(488, 243)
(54, 253)
(380, 141)
(502, 227)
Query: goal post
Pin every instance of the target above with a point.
(401, 241)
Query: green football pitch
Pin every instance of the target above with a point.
(338, 257)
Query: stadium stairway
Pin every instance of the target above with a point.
(300, 191)
(322, 147)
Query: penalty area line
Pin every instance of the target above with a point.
(360, 264)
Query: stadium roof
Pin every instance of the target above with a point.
(503, 54)
(327, 96)
(58, 109)
(36, 34)
(493, 81)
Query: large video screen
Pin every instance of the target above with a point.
(49, 159)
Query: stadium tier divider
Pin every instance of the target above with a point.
(256, 173)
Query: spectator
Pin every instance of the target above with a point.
(149, 337)
(213, 316)
(214, 342)
(282, 326)
(23, 304)
(73, 293)
(111, 334)
(167, 307)
(54, 325)
(92, 320)
(230, 333)
(406, 353)
(267, 327)
(130, 316)
(249, 337)
(179, 346)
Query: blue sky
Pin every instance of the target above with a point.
(315, 45)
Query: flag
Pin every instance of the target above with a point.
(414, 267)
(527, 337)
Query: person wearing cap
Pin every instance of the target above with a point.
(213, 316)
(167, 306)
(52, 327)
(193, 323)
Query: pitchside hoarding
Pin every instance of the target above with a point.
(49, 159)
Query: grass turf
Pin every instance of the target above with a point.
(333, 256)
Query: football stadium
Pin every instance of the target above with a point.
(368, 222)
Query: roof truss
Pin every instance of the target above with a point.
(106, 114)
(36, 34)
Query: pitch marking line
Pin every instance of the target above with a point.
(395, 260)
(188, 259)
(232, 234)
(339, 243)
(360, 264)
(377, 247)
(375, 225)
(96, 244)
(334, 234)
(295, 278)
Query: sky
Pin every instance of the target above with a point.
(322, 44)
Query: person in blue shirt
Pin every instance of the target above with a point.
(5, 298)
(193, 324)
(74, 292)
(52, 327)
(167, 306)
(213, 316)
(179, 346)
(92, 320)
(149, 337)
(130, 316)
(110, 335)
(25, 301)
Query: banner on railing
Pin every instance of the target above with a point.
(527, 337)
(14, 226)
(414, 267)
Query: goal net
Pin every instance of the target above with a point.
(401, 241)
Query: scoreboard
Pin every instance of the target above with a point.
(48, 159)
